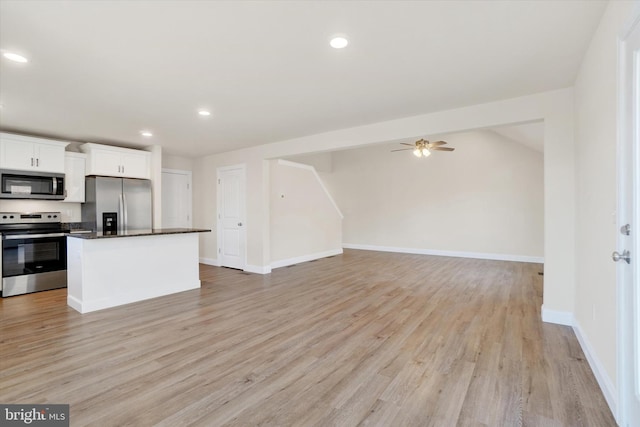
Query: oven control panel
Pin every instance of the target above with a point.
(29, 217)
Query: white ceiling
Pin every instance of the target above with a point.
(102, 71)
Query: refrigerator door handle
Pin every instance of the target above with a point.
(120, 213)
(125, 208)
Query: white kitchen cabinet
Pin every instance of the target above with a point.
(136, 164)
(74, 173)
(105, 160)
(26, 153)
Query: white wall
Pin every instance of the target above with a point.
(595, 127)
(555, 108)
(177, 162)
(322, 162)
(484, 198)
(304, 222)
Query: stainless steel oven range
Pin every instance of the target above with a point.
(34, 252)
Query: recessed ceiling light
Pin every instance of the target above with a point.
(15, 57)
(146, 133)
(339, 42)
(204, 113)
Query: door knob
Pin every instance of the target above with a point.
(239, 224)
(625, 256)
(625, 229)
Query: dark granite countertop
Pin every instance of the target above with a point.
(134, 233)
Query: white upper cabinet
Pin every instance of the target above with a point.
(28, 153)
(136, 164)
(105, 160)
(74, 173)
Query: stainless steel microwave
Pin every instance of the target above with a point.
(31, 185)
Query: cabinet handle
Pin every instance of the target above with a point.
(122, 168)
(38, 162)
(118, 168)
(32, 161)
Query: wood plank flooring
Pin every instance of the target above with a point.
(365, 338)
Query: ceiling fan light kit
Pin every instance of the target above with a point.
(421, 152)
(423, 148)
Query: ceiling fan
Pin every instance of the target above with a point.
(423, 148)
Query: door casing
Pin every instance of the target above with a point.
(628, 212)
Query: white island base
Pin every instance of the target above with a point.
(108, 272)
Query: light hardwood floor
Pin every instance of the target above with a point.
(364, 338)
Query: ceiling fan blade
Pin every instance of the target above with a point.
(437, 143)
(402, 149)
(441, 149)
(406, 143)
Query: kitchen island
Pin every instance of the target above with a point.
(108, 270)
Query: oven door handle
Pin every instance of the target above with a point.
(31, 236)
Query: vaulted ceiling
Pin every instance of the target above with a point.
(103, 71)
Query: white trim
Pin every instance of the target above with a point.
(178, 171)
(209, 261)
(74, 303)
(231, 167)
(266, 269)
(315, 173)
(566, 318)
(129, 298)
(625, 150)
(558, 317)
(35, 139)
(305, 258)
(630, 25)
(604, 381)
(456, 254)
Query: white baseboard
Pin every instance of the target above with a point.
(258, 269)
(249, 268)
(457, 254)
(305, 258)
(558, 317)
(74, 303)
(135, 295)
(604, 381)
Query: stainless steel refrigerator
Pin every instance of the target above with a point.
(128, 201)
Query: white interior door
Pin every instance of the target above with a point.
(628, 250)
(232, 237)
(176, 198)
